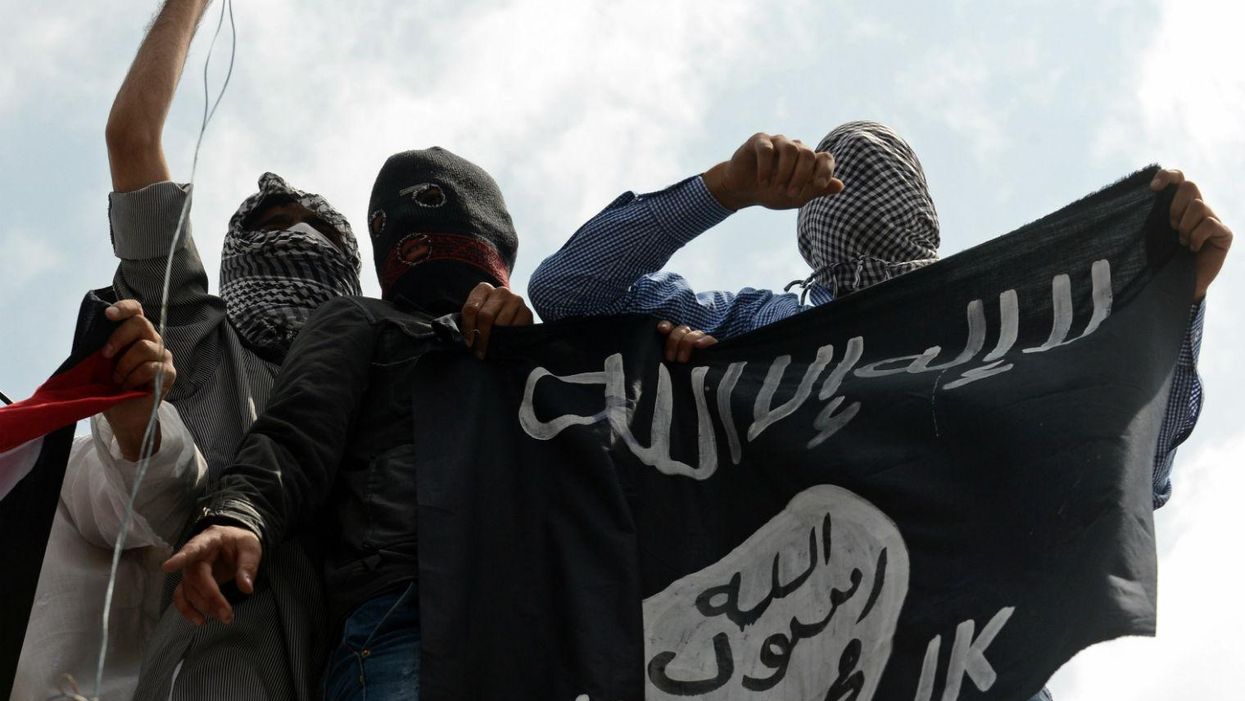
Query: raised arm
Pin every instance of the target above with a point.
(610, 266)
(136, 122)
(146, 212)
(1201, 230)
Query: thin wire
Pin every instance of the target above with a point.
(207, 114)
(149, 434)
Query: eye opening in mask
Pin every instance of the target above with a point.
(425, 194)
(414, 249)
(281, 212)
(376, 224)
(265, 208)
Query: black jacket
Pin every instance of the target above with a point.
(334, 449)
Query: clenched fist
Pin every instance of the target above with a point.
(774, 172)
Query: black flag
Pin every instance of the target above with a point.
(937, 488)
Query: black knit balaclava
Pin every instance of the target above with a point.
(271, 281)
(882, 224)
(439, 227)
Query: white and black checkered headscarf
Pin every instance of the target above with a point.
(882, 224)
(272, 281)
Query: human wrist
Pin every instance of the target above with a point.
(715, 181)
(129, 437)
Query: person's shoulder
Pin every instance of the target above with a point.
(367, 309)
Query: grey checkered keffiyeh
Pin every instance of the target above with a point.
(271, 281)
(882, 224)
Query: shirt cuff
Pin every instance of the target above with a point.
(169, 466)
(231, 511)
(687, 209)
(144, 222)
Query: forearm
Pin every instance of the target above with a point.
(128, 431)
(136, 122)
(715, 182)
(288, 461)
(99, 480)
(635, 236)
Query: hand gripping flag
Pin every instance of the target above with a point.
(35, 437)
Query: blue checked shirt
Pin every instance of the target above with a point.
(612, 265)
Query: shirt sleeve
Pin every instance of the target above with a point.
(611, 264)
(144, 224)
(1184, 404)
(287, 462)
(98, 482)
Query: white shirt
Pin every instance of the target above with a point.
(63, 636)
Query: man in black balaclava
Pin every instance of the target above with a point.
(336, 440)
(430, 212)
(441, 235)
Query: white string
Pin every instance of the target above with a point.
(149, 434)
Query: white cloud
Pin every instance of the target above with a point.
(1190, 94)
(954, 84)
(36, 253)
(45, 57)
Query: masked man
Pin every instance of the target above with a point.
(285, 252)
(865, 216)
(335, 444)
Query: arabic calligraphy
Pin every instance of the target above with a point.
(805, 608)
(621, 397)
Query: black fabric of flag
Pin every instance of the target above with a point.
(936, 488)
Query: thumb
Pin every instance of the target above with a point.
(249, 555)
(833, 187)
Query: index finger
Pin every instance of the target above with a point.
(192, 550)
(1186, 195)
(1168, 176)
(471, 310)
(133, 329)
(124, 309)
(487, 316)
(764, 148)
(823, 173)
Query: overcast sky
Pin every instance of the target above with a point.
(1014, 108)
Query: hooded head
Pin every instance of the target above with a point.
(274, 275)
(882, 224)
(439, 227)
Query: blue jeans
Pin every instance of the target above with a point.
(378, 657)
